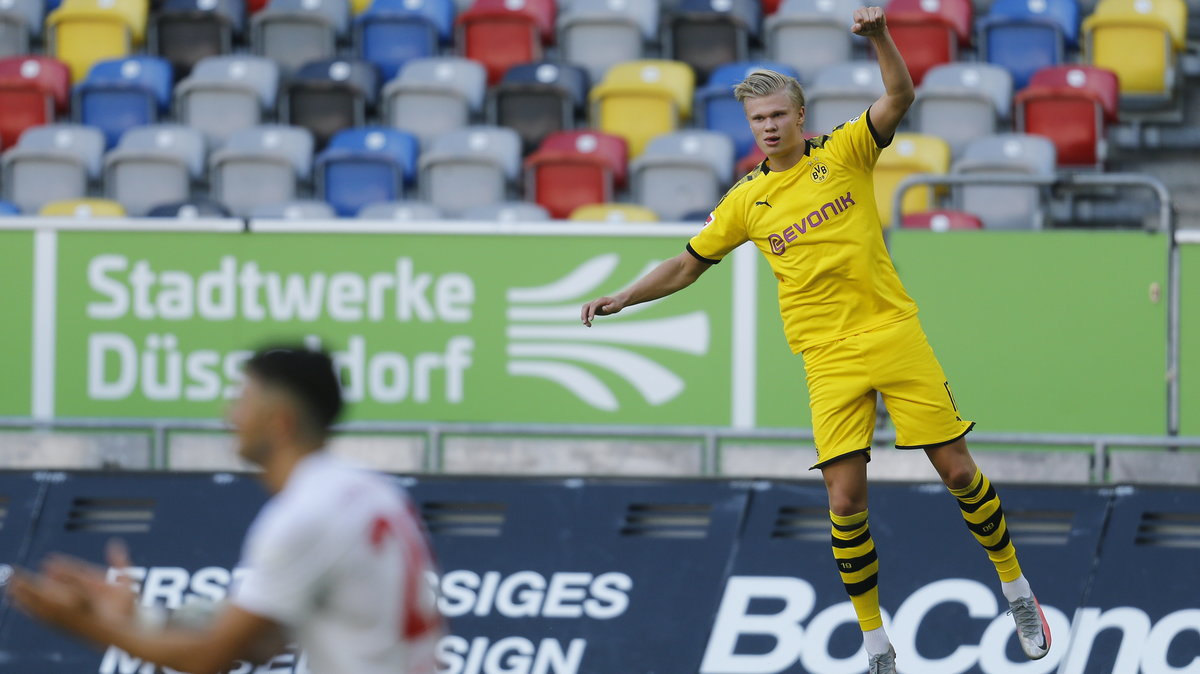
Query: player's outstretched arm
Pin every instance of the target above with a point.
(671, 276)
(886, 112)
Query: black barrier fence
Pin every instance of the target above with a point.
(669, 577)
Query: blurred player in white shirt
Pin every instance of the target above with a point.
(337, 558)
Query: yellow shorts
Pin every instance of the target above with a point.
(895, 360)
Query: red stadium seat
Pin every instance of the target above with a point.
(941, 220)
(770, 6)
(255, 6)
(929, 32)
(574, 168)
(1070, 105)
(747, 163)
(503, 33)
(32, 89)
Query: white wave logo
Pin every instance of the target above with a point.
(546, 340)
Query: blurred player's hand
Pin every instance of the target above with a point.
(73, 595)
(869, 22)
(602, 306)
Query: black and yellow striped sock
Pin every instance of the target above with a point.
(854, 552)
(985, 518)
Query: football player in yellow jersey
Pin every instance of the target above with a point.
(810, 209)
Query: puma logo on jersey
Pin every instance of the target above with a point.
(764, 202)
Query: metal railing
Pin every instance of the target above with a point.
(1166, 225)
(709, 438)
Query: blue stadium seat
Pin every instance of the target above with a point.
(717, 109)
(123, 93)
(1024, 36)
(8, 208)
(391, 32)
(364, 166)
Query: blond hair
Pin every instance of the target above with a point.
(766, 82)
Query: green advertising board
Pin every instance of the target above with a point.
(1038, 331)
(16, 306)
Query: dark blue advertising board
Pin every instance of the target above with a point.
(552, 576)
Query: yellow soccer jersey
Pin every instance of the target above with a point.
(818, 227)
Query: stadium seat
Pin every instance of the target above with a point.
(717, 109)
(1005, 206)
(770, 6)
(200, 207)
(328, 96)
(32, 90)
(809, 35)
(1139, 40)
(8, 208)
(52, 163)
(227, 93)
(434, 95)
(365, 166)
(748, 161)
(295, 32)
(574, 168)
(153, 165)
(841, 92)
(962, 101)
(537, 99)
(507, 211)
(404, 211)
(1023, 36)
(615, 213)
(260, 165)
(82, 32)
(186, 31)
(121, 94)
(503, 33)
(682, 172)
(19, 21)
(707, 33)
(297, 209)
(391, 33)
(470, 167)
(83, 208)
(929, 32)
(909, 153)
(639, 100)
(598, 34)
(1072, 106)
(941, 221)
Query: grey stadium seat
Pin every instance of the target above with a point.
(508, 211)
(962, 101)
(683, 172)
(153, 165)
(227, 93)
(810, 34)
(1005, 207)
(19, 19)
(470, 167)
(261, 165)
(405, 211)
(598, 34)
(841, 92)
(299, 209)
(55, 162)
(434, 95)
(295, 32)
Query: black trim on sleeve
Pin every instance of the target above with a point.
(875, 134)
(865, 452)
(935, 445)
(700, 257)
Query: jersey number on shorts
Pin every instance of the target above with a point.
(419, 619)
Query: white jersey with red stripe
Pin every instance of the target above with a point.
(339, 558)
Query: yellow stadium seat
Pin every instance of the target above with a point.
(83, 32)
(84, 208)
(909, 153)
(359, 6)
(613, 213)
(639, 100)
(1139, 40)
